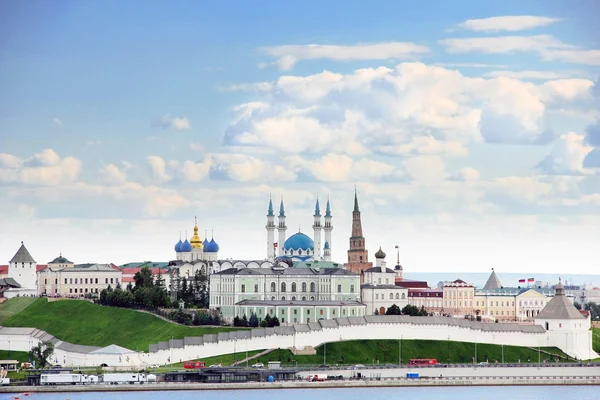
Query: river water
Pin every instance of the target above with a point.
(434, 393)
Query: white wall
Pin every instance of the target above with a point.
(576, 344)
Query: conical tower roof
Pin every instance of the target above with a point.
(493, 282)
(22, 256)
(559, 307)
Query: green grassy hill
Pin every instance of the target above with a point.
(81, 322)
(387, 351)
(14, 306)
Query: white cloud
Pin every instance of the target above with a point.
(411, 109)
(10, 161)
(245, 168)
(195, 171)
(546, 75)
(567, 155)
(568, 89)
(503, 44)
(169, 122)
(49, 169)
(57, 121)
(425, 168)
(196, 147)
(507, 23)
(112, 175)
(288, 55)
(467, 174)
(547, 47)
(471, 65)
(158, 169)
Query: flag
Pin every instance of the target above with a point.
(531, 280)
(521, 280)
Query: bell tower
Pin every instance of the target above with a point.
(358, 255)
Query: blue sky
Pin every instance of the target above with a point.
(469, 128)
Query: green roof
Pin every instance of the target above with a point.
(317, 264)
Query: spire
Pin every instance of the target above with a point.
(270, 213)
(179, 235)
(398, 255)
(195, 221)
(493, 283)
(212, 234)
(281, 209)
(317, 208)
(328, 208)
(355, 200)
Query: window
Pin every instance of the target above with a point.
(321, 312)
(379, 281)
(391, 296)
(272, 297)
(76, 281)
(376, 297)
(312, 298)
(283, 286)
(303, 298)
(282, 298)
(403, 296)
(111, 280)
(273, 287)
(105, 280)
(255, 288)
(293, 298)
(308, 320)
(86, 281)
(96, 280)
(71, 290)
(295, 312)
(303, 287)
(45, 281)
(65, 281)
(293, 287)
(397, 296)
(351, 288)
(339, 288)
(75, 290)
(243, 288)
(312, 287)
(307, 312)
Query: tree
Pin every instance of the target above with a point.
(393, 310)
(236, 321)
(253, 321)
(410, 310)
(143, 278)
(577, 305)
(41, 354)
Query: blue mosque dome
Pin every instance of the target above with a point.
(186, 247)
(299, 241)
(211, 247)
(205, 243)
(178, 246)
(326, 245)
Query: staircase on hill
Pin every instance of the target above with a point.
(252, 357)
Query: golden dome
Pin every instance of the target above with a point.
(195, 241)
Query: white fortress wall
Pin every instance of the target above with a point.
(575, 343)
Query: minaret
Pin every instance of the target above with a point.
(317, 227)
(328, 228)
(281, 227)
(270, 232)
(358, 255)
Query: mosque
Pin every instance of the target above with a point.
(299, 247)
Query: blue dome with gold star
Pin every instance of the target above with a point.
(299, 241)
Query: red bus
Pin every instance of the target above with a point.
(422, 361)
(194, 364)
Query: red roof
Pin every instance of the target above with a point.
(39, 268)
(3, 269)
(128, 279)
(133, 271)
(585, 313)
(407, 283)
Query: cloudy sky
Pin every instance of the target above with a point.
(470, 129)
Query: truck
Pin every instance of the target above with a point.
(319, 378)
(131, 378)
(67, 379)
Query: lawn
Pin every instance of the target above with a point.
(596, 339)
(387, 351)
(14, 306)
(81, 322)
(224, 360)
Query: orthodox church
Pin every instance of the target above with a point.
(299, 246)
(196, 249)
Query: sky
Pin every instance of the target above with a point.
(471, 130)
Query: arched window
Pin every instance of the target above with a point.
(282, 298)
(283, 287)
(293, 298)
(303, 298)
(272, 297)
(293, 287)
(397, 296)
(300, 251)
(312, 298)
(391, 296)
(403, 296)
(303, 287)
(273, 287)
(312, 287)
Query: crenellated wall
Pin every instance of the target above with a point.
(576, 344)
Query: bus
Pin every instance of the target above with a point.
(194, 364)
(422, 361)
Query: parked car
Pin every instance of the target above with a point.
(258, 365)
(215, 366)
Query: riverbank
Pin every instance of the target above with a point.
(384, 382)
